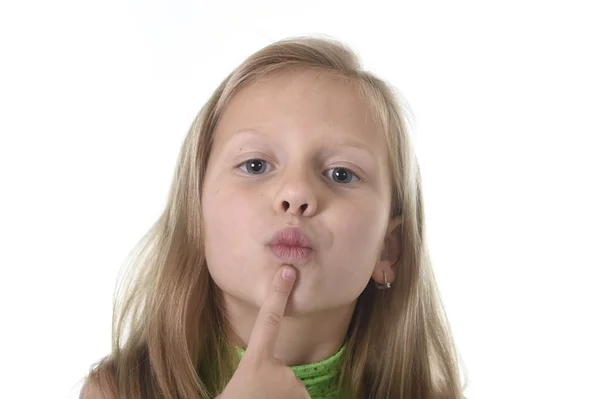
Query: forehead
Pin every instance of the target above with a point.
(304, 102)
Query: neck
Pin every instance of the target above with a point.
(303, 339)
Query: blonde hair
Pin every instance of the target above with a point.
(169, 337)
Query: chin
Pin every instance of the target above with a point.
(294, 309)
(297, 304)
(300, 305)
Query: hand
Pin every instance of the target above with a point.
(259, 375)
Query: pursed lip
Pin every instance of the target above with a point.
(291, 244)
(291, 237)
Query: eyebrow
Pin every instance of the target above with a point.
(358, 145)
(345, 142)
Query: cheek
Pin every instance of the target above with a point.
(230, 223)
(358, 233)
(360, 228)
(223, 207)
(227, 215)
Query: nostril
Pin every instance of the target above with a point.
(303, 207)
(286, 205)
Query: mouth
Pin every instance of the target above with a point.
(289, 254)
(291, 244)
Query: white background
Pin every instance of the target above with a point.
(97, 97)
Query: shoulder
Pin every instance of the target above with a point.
(99, 384)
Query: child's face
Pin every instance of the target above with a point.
(303, 124)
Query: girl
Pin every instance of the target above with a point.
(290, 261)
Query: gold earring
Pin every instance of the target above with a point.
(385, 285)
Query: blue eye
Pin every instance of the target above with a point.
(342, 175)
(254, 166)
(259, 166)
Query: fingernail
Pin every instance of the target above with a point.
(288, 273)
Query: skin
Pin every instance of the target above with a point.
(299, 124)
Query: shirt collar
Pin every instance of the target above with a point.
(319, 378)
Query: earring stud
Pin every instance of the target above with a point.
(385, 285)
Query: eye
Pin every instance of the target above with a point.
(254, 166)
(342, 175)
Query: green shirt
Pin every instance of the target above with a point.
(320, 378)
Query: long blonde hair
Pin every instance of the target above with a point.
(169, 337)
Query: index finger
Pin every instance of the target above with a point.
(268, 323)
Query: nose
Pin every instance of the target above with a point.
(296, 195)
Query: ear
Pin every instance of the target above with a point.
(390, 252)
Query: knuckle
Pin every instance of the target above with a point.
(280, 288)
(272, 319)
